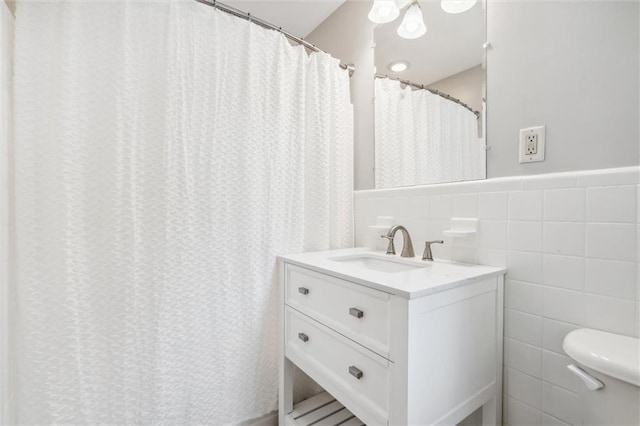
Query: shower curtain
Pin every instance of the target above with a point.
(423, 138)
(165, 153)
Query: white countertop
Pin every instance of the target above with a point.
(427, 278)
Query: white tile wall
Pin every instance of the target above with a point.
(569, 242)
(6, 195)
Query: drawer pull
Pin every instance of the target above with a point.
(356, 312)
(355, 372)
(303, 337)
(303, 290)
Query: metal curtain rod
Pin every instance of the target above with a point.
(247, 16)
(434, 91)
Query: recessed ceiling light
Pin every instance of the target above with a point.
(398, 66)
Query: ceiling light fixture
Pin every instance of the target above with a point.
(398, 66)
(383, 11)
(457, 6)
(412, 25)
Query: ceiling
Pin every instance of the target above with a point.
(298, 17)
(453, 43)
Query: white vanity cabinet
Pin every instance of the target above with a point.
(420, 347)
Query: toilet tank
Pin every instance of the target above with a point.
(609, 365)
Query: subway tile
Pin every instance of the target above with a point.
(553, 334)
(638, 204)
(611, 241)
(524, 297)
(520, 414)
(548, 181)
(555, 371)
(525, 236)
(361, 207)
(561, 403)
(492, 257)
(500, 184)
(465, 205)
(399, 208)
(524, 388)
(611, 278)
(637, 329)
(463, 254)
(611, 204)
(638, 282)
(563, 305)
(436, 228)
(564, 205)
(524, 327)
(440, 207)
(419, 206)
(493, 234)
(564, 238)
(493, 205)
(563, 271)
(610, 314)
(525, 266)
(525, 205)
(548, 420)
(418, 230)
(523, 357)
(380, 206)
(637, 239)
(609, 177)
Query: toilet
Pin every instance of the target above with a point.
(609, 366)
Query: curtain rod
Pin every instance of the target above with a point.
(248, 17)
(434, 91)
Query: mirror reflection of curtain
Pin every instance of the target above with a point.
(423, 138)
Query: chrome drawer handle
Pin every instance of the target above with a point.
(355, 372)
(303, 290)
(303, 337)
(356, 312)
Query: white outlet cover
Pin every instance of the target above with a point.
(539, 156)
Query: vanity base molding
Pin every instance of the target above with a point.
(438, 359)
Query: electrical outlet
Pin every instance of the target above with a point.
(532, 144)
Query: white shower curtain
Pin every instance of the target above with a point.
(165, 153)
(423, 138)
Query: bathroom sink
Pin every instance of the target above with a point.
(378, 263)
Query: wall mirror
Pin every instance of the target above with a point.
(429, 95)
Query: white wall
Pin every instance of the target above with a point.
(6, 53)
(468, 86)
(568, 241)
(572, 66)
(574, 69)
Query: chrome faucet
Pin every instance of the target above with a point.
(428, 254)
(407, 246)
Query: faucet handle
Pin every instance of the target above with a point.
(428, 254)
(391, 248)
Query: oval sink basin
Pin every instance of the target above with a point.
(378, 263)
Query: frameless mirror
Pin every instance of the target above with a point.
(430, 116)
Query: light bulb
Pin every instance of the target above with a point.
(412, 25)
(398, 66)
(383, 11)
(457, 6)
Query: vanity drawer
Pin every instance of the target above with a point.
(354, 375)
(356, 311)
